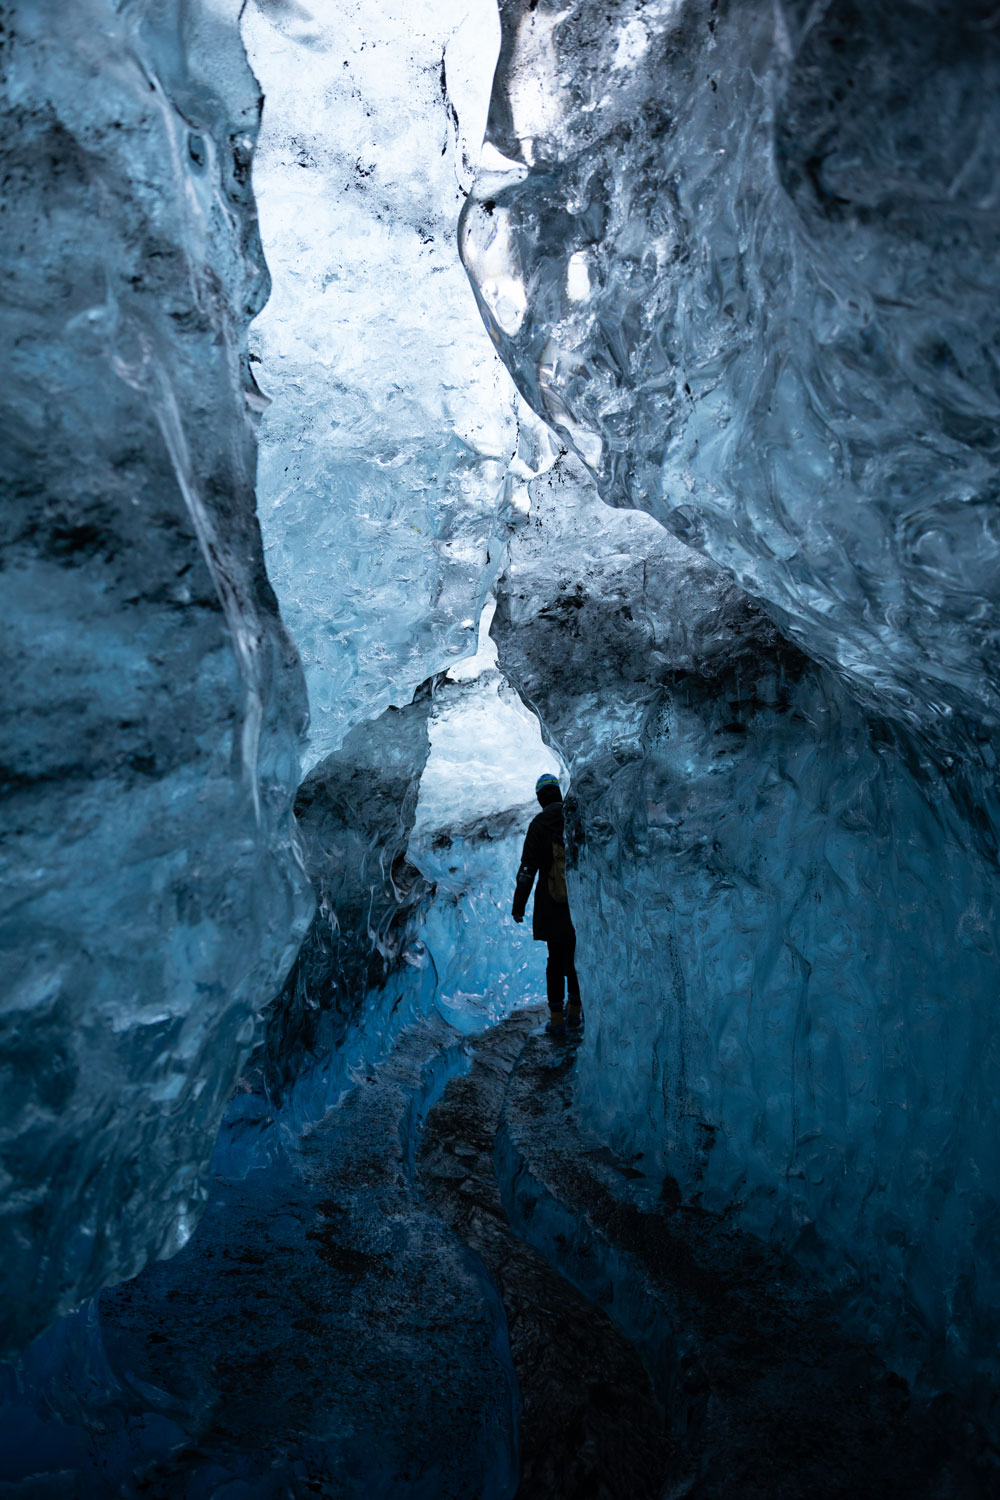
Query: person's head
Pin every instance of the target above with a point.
(547, 789)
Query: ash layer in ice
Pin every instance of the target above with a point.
(744, 257)
(153, 702)
(787, 931)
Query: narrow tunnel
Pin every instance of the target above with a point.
(406, 401)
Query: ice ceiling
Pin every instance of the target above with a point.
(720, 437)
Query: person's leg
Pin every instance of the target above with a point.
(574, 1009)
(555, 976)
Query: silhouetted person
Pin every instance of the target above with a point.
(544, 855)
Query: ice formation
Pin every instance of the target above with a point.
(743, 257)
(154, 704)
(411, 834)
(787, 929)
(384, 451)
(354, 811)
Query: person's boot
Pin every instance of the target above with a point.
(574, 1013)
(557, 1021)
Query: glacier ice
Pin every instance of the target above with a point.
(753, 299)
(743, 257)
(154, 704)
(787, 930)
(411, 834)
(354, 812)
(385, 447)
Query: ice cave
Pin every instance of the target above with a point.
(410, 404)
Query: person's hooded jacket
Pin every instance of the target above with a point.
(543, 850)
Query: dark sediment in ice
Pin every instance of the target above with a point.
(446, 1273)
(766, 1394)
(590, 1422)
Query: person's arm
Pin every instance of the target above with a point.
(526, 873)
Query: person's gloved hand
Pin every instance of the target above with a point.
(517, 918)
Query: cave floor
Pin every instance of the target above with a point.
(443, 1260)
(750, 1389)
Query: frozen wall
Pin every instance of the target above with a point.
(354, 811)
(411, 835)
(744, 257)
(787, 928)
(476, 801)
(384, 450)
(153, 703)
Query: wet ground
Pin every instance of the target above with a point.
(758, 1393)
(445, 1291)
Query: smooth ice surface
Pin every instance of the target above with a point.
(384, 450)
(787, 926)
(152, 900)
(743, 257)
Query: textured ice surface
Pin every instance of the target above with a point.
(411, 834)
(355, 811)
(476, 800)
(744, 257)
(787, 925)
(384, 451)
(152, 700)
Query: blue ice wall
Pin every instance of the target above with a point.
(787, 913)
(384, 450)
(152, 897)
(743, 257)
(355, 812)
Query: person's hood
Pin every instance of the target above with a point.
(551, 816)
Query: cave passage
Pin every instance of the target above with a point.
(446, 1252)
(406, 399)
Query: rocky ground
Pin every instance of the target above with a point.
(749, 1389)
(446, 1291)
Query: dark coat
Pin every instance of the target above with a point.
(551, 919)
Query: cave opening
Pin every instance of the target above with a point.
(407, 400)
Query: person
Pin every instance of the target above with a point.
(544, 855)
